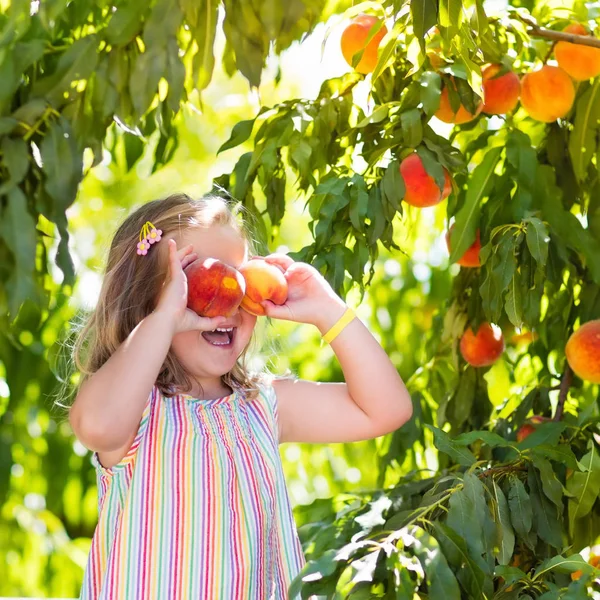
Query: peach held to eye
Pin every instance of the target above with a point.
(264, 281)
(214, 288)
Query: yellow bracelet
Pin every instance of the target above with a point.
(344, 320)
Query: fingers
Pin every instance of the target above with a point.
(277, 311)
(279, 259)
(188, 259)
(174, 260)
(205, 323)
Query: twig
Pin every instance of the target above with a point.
(559, 36)
(565, 383)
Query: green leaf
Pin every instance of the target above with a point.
(147, 71)
(561, 454)
(451, 13)
(441, 582)
(467, 217)
(537, 239)
(513, 303)
(392, 185)
(77, 63)
(493, 440)
(584, 486)
(520, 507)
(505, 534)
(17, 227)
(424, 17)
(562, 564)
(582, 140)
(412, 127)
(202, 17)
(16, 158)
(62, 164)
(239, 134)
(509, 574)
(545, 515)
(431, 89)
(378, 115)
(550, 484)
(545, 433)
(446, 445)
(471, 575)
(125, 23)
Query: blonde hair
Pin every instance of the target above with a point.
(132, 284)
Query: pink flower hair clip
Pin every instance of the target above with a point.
(148, 235)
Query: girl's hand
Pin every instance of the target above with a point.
(310, 297)
(174, 296)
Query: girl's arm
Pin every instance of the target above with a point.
(373, 400)
(107, 411)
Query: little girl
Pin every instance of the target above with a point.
(192, 499)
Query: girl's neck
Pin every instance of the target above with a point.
(209, 390)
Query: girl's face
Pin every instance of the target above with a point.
(203, 360)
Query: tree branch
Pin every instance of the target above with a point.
(565, 383)
(558, 36)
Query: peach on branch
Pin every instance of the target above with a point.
(264, 281)
(583, 351)
(547, 94)
(355, 38)
(528, 428)
(501, 88)
(214, 288)
(471, 256)
(580, 62)
(421, 188)
(483, 348)
(447, 114)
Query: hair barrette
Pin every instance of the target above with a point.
(148, 235)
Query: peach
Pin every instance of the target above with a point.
(594, 561)
(214, 288)
(354, 39)
(484, 348)
(528, 428)
(583, 351)
(580, 62)
(471, 256)
(264, 281)
(500, 92)
(547, 94)
(446, 113)
(421, 188)
(524, 338)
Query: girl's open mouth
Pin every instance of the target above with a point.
(221, 336)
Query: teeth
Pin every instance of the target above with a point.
(222, 329)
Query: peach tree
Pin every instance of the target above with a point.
(489, 119)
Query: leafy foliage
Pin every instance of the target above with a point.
(457, 507)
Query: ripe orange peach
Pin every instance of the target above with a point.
(594, 561)
(214, 288)
(471, 257)
(580, 62)
(264, 281)
(547, 94)
(354, 39)
(583, 351)
(421, 188)
(446, 114)
(484, 348)
(500, 93)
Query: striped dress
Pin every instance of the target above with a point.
(198, 507)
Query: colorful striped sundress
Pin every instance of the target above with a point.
(198, 508)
